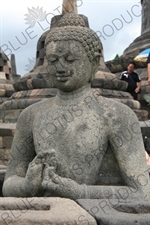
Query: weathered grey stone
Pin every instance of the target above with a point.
(7, 129)
(43, 211)
(2, 175)
(7, 141)
(35, 93)
(19, 103)
(114, 94)
(61, 143)
(13, 65)
(11, 116)
(119, 211)
(133, 104)
(141, 114)
(2, 92)
(4, 156)
(2, 172)
(3, 100)
(1, 142)
(109, 82)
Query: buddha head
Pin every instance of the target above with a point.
(73, 52)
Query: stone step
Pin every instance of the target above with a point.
(141, 114)
(35, 93)
(11, 116)
(41, 81)
(115, 94)
(19, 103)
(109, 83)
(7, 129)
(2, 100)
(129, 102)
(2, 92)
(4, 156)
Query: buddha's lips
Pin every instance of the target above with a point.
(62, 78)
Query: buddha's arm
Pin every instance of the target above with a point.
(126, 140)
(22, 153)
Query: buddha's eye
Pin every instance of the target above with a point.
(52, 60)
(70, 58)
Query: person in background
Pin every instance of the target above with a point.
(148, 68)
(133, 79)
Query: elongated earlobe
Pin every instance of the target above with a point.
(97, 56)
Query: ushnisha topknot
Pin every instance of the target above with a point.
(71, 19)
(72, 27)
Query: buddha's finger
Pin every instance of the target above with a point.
(46, 172)
(56, 178)
(49, 185)
(53, 162)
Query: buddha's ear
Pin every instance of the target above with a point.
(97, 56)
(96, 60)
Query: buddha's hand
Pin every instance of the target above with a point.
(60, 186)
(34, 175)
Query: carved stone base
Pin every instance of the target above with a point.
(43, 211)
(118, 211)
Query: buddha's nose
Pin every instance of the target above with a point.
(60, 66)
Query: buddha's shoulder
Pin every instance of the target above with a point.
(40, 106)
(115, 107)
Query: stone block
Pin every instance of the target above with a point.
(107, 83)
(6, 70)
(2, 175)
(2, 79)
(2, 92)
(2, 172)
(1, 142)
(7, 129)
(7, 141)
(3, 99)
(2, 63)
(35, 93)
(4, 156)
(141, 114)
(20, 85)
(115, 94)
(117, 211)
(133, 104)
(19, 103)
(43, 211)
(2, 75)
(11, 116)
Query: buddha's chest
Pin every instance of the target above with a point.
(74, 129)
(79, 138)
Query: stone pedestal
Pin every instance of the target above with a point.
(119, 211)
(43, 211)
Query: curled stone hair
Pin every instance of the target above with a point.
(72, 27)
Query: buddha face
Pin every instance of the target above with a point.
(69, 65)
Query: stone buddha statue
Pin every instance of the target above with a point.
(60, 143)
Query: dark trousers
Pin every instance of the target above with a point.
(134, 94)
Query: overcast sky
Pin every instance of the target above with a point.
(117, 23)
